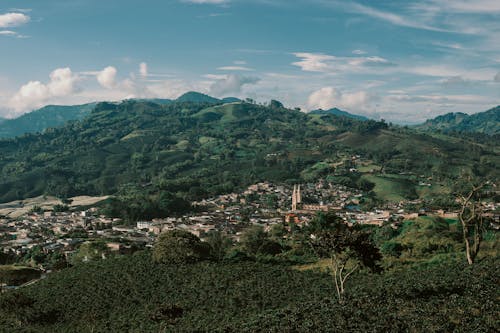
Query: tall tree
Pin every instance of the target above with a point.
(348, 249)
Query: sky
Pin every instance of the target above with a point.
(402, 61)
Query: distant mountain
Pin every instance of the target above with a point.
(196, 97)
(338, 112)
(41, 119)
(487, 122)
(160, 101)
(231, 100)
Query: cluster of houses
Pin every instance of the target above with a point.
(262, 204)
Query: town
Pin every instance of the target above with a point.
(263, 204)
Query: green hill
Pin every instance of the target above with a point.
(160, 101)
(41, 119)
(200, 149)
(487, 122)
(196, 97)
(338, 112)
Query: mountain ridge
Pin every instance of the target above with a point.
(202, 149)
(338, 112)
(487, 122)
(43, 118)
(57, 115)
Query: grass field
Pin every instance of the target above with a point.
(391, 188)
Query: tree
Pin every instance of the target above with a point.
(471, 217)
(256, 241)
(179, 247)
(219, 244)
(253, 238)
(348, 249)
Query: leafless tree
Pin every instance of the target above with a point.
(471, 216)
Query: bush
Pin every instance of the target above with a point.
(179, 247)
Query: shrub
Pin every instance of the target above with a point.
(179, 247)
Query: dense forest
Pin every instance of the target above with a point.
(487, 122)
(39, 120)
(195, 150)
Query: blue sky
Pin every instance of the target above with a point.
(404, 61)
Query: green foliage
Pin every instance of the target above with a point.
(423, 238)
(133, 204)
(44, 118)
(17, 275)
(195, 150)
(89, 251)
(220, 244)
(134, 294)
(339, 240)
(179, 247)
(255, 241)
(487, 122)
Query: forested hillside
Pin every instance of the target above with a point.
(487, 122)
(338, 112)
(39, 120)
(200, 149)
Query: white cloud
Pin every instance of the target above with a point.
(361, 61)
(329, 97)
(107, 77)
(235, 68)
(358, 52)
(314, 62)
(143, 69)
(13, 20)
(468, 6)
(325, 63)
(8, 33)
(392, 18)
(454, 81)
(448, 71)
(442, 99)
(35, 93)
(62, 82)
(231, 84)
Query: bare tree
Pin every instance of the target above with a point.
(471, 216)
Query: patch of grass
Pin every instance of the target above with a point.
(391, 188)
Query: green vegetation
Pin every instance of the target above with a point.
(134, 294)
(392, 188)
(17, 275)
(487, 122)
(178, 247)
(186, 285)
(338, 112)
(194, 150)
(41, 119)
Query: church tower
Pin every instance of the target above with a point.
(296, 197)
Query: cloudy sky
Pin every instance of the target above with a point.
(404, 61)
